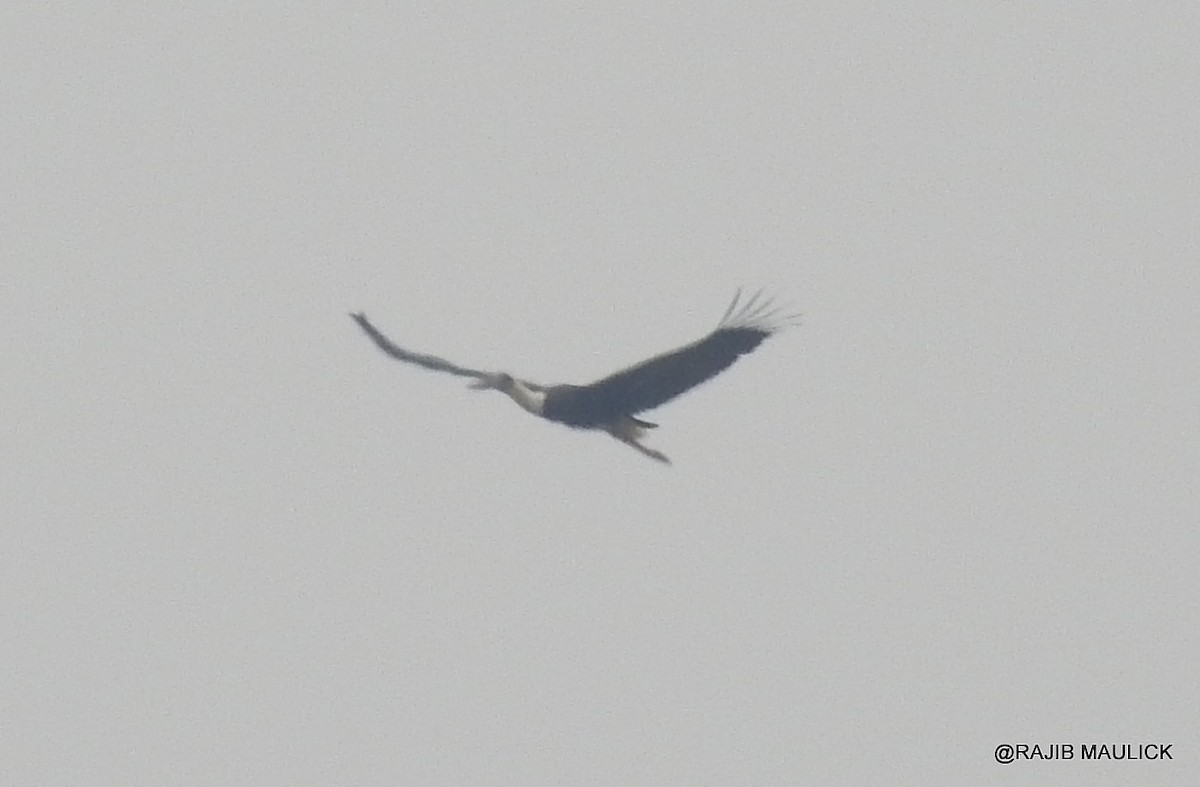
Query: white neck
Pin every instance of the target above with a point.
(527, 397)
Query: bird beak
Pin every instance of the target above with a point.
(482, 384)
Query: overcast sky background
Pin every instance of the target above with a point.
(956, 507)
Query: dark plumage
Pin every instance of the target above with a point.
(612, 402)
(651, 383)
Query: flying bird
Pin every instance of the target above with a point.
(611, 404)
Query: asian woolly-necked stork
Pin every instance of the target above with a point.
(611, 404)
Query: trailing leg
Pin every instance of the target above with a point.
(628, 430)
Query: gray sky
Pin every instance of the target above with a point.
(956, 508)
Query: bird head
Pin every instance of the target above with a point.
(493, 382)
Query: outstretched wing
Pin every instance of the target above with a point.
(431, 362)
(651, 383)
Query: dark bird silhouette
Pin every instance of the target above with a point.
(611, 404)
